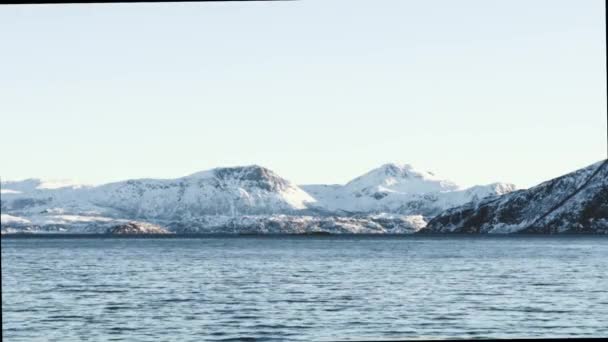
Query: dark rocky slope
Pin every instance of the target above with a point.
(574, 203)
(137, 228)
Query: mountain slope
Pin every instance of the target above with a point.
(574, 203)
(400, 188)
(245, 190)
(390, 199)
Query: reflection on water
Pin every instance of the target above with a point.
(303, 288)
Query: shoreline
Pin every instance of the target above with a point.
(17, 236)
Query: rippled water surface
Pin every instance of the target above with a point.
(303, 288)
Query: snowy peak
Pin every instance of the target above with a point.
(400, 188)
(253, 180)
(481, 191)
(233, 191)
(253, 175)
(402, 178)
(402, 170)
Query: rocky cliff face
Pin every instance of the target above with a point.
(136, 228)
(574, 203)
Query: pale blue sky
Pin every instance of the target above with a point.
(319, 91)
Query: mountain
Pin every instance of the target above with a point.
(301, 224)
(399, 188)
(390, 199)
(249, 190)
(573, 203)
(32, 184)
(230, 191)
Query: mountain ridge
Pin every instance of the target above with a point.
(576, 202)
(398, 195)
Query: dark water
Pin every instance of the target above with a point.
(303, 288)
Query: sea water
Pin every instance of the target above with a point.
(303, 288)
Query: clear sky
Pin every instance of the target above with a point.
(320, 91)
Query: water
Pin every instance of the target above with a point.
(303, 288)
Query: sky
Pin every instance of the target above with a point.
(320, 91)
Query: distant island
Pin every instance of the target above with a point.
(391, 199)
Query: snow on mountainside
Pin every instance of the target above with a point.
(231, 191)
(33, 184)
(240, 198)
(399, 178)
(300, 224)
(574, 203)
(399, 188)
(57, 223)
(221, 224)
(251, 190)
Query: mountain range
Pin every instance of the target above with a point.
(574, 203)
(393, 198)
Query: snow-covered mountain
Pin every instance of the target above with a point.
(32, 184)
(574, 203)
(236, 191)
(248, 190)
(400, 188)
(392, 198)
